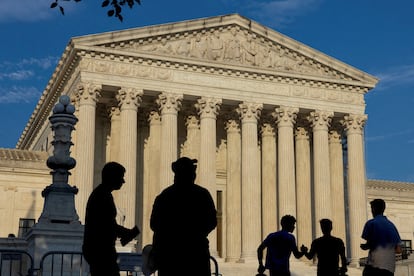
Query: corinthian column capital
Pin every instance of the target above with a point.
(354, 124)
(169, 103)
(232, 125)
(249, 112)
(129, 98)
(285, 115)
(320, 120)
(88, 93)
(208, 107)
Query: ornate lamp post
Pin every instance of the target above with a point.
(59, 204)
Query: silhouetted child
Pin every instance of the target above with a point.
(328, 250)
(279, 246)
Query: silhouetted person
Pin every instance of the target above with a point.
(383, 241)
(182, 216)
(279, 246)
(328, 250)
(101, 228)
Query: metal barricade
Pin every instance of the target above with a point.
(216, 267)
(15, 262)
(64, 263)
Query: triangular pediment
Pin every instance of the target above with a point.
(230, 40)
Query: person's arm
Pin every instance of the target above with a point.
(344, 261)
(260, 249)
(311, 253)
(297, 253)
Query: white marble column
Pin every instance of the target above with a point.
(337, 183)
(354, 125)
(233, 191)
(269, 180)
(191, 147)
(151, 172)
(169, 105)
(208, 109)
(115, 116)
(285, 119)
(303, 185)
(251, 193)
(320, 122)
(87, 96)
(129, 100)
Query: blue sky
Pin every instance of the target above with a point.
(376, 36)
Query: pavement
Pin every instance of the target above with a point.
(297, 268)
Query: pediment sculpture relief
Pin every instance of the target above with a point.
(234, 46)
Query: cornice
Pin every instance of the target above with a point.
(390, 185)
(219, 68)
(50, 94)
(175, 31)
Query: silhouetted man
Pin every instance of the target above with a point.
(279, 246)
(383, 241)
(101, 228)
(328, 250)
(182, 217)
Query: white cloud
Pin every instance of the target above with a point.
(25, 10)
(388, 135)
(18, 94)
(400, 75)
(26, 68)
(17, 75)
(278, 13)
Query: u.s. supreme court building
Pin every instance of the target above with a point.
(277, 128)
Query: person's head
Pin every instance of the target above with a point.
(184, 170)
(326, 226)
(288, 223)
(377, 207)
(113, 175)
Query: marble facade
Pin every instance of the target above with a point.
(266, 116)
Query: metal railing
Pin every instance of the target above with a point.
(63, 263)
(68, 263)
(15, 262)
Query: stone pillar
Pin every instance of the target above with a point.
(87, 96)
(115, 116)
(251, 194)
(303, 186)
(320, 121)
(337, 183)
(233, 192)
(151, 173)
(208, 109)
(285, 119)
(169, 105)
(129, 99)
(356, 186)
(191, 147)
(269, 174)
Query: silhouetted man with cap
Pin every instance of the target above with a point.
(101, 228)
(182, 216)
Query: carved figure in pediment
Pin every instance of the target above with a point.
(198, 47)
(184, 47)
(165, 47)
(250, 52)
(215, 46)
(232, 49)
